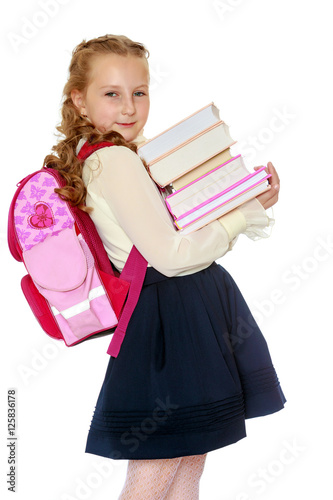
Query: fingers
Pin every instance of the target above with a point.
(274, 180)
(270, 197)
(270, 169)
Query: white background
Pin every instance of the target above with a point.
(267, 66)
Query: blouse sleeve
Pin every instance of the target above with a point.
(256, 223)
(136, 203)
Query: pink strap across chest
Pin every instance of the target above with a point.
(134, 271)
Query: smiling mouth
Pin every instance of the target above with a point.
(126, 124)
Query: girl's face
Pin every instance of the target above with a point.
(117, 95)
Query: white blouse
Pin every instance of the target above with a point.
(128, 209)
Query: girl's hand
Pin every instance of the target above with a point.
(270, 197)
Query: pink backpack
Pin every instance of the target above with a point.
(70, 286)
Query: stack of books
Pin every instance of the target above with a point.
(193, 160)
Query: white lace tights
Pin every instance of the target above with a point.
(169, 479)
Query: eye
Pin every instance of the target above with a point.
(111, 94)
(139, 93)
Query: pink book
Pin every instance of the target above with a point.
(220, 204)
(212, 183)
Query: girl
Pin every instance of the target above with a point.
(194, 364)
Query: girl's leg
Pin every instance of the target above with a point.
(185, 485)
(149, 479)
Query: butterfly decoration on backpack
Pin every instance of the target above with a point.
(71, 286)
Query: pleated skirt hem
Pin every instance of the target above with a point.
(165, 447)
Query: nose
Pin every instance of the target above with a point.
(128, 107)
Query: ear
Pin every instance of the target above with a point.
(78, 101)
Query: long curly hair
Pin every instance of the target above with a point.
(74, 126)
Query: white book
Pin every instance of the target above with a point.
(191, 154)
(179, 133)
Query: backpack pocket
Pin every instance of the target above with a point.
(64, 272)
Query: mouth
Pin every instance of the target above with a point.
(126, 125)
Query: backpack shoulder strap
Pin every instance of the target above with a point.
(88, 149)
(134, 270)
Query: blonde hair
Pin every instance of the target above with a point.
(73, 125)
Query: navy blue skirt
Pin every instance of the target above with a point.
(192, 367)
